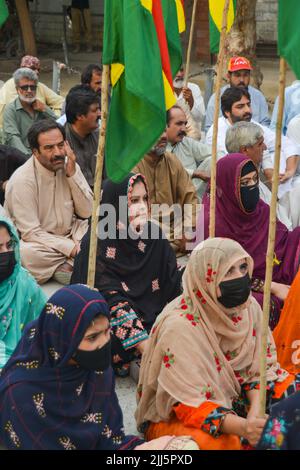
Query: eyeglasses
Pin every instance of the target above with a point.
(28, 87)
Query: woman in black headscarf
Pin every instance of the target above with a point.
(136, 267)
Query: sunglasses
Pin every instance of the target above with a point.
(28, 87)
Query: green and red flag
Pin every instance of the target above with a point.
(174, 17)
(135, 46)
(216, 8)
(289, 33)
(3, 12)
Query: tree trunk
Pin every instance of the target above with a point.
(26, 27)
(241, 40)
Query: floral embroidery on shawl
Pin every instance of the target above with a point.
(194, 318)
(218, 363)
(95, 418)
(124, 286)
(141, 246)
(66, 443)
(275, 432)
(54, 354)
(28, 365)
(12, 434)
(168, 359)
(200, 296)
(210, 273)
(111, 252)
(55, 310)
(208, 392)
(155, 285)
(38, 400)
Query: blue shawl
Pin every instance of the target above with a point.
(46, 403)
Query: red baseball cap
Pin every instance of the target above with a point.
(238, 63)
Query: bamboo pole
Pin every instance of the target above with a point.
(188, 56)
(98, 177)
(26, 27)
(212, 217)
(271, 244)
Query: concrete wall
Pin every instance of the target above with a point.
(48, 20)
(266, 17)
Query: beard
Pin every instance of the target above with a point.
(246, 117)
(178, 83)
(28, 100)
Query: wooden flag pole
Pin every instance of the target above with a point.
(271, 244)
(212, 217)
(188, 56)
(98, 177)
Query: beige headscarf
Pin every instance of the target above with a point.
(199, 350)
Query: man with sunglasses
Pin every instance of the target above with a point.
(24, 111)
(8, 92)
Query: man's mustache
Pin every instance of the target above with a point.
(181, 133)
(58, 159)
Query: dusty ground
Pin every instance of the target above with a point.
(269, 67)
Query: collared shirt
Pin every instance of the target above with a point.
(85, 149)
(17, 122)
(291, 106)
(8, 94)
(259, 107)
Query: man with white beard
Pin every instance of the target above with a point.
(26, 109)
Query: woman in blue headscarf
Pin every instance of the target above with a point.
(57, 390)
(21, 299)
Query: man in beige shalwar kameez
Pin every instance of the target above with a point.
(49, 201)
(171, 188)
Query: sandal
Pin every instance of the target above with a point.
(122, 371)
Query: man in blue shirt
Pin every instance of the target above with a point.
(239, 69)
(291, 106)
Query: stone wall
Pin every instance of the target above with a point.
(266, 17)
(47, 20)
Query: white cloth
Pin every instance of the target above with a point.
(198, 110)
(289, 148)
(293, 129)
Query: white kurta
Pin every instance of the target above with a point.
(45, 207)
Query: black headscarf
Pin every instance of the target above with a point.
(142, 271)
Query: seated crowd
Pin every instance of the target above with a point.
(185, 307)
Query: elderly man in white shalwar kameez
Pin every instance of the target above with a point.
(49, 201)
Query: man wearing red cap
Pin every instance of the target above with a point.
(44, 94)
(239, 69)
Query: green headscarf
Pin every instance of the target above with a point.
(21, 300)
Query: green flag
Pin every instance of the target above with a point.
(216, 8)
(137, 114)
(289, 33)
(3, 12)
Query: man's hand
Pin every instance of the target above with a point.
(75, 250)
(201, 175)
(71, 160)
(188, 96)
(286, 176)
(37, 105)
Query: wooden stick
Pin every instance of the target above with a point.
(212, 217)
(98, 177)
(271, 244)
(188, 56)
